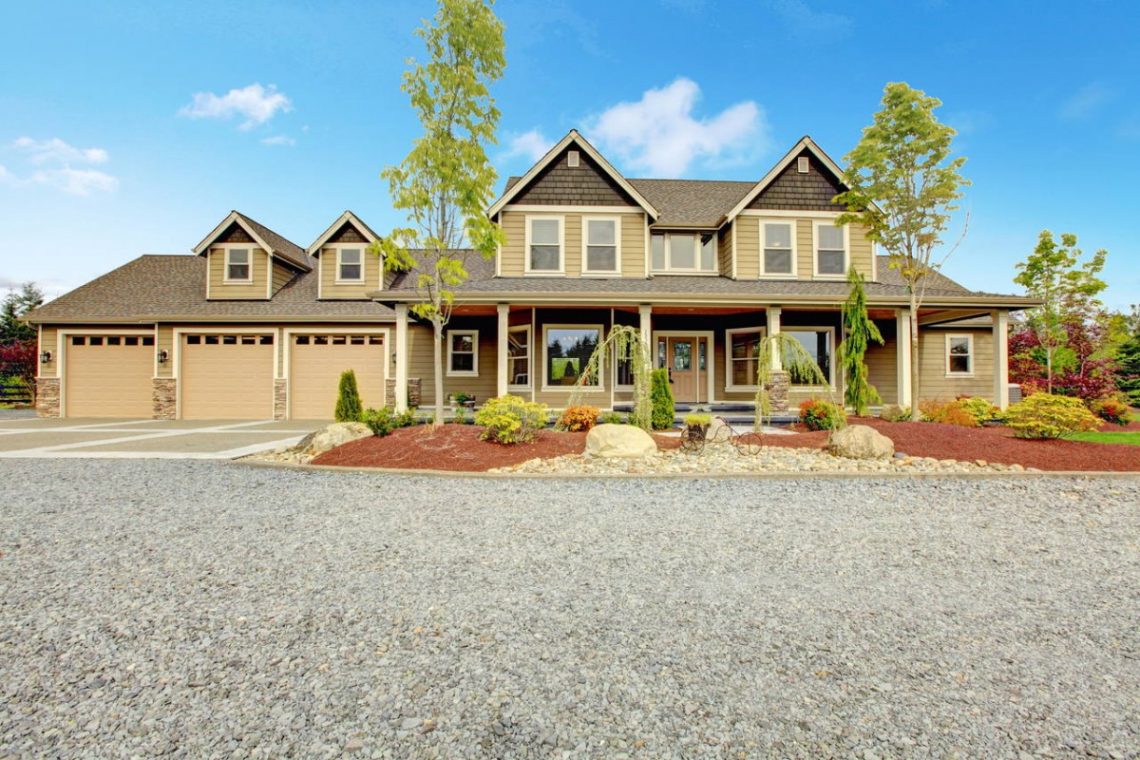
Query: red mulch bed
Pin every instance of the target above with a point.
(993, 444)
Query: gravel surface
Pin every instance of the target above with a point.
(199, 609)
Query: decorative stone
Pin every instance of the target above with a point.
(860, 442)
(619, 441)
(336, 434)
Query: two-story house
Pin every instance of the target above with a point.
(254, 326)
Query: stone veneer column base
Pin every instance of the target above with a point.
(415, 392)
(47, 396)
(280, 389)
(778, 391)
(165, 398)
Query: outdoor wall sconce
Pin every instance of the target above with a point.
(45, 357)
(162, 356)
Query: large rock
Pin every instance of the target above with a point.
(619, 441)
(860, 442)
(336, 434)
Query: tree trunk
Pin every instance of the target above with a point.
(437, 378)
(915, 413)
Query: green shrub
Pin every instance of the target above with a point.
(820, 414)
(1111, 410)
(698, 419)
(510, 419)
(895, 413)
(611, 418)
(578, 419)
(661, 397)
(348, 406)
(383, 421)
(1043, 415)
(979, 408)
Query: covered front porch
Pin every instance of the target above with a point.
(539, 351)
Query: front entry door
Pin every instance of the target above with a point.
(685, 360)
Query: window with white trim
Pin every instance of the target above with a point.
(743, 356)
(238, 267)
(518, 356)
(778, 256)
(683, 252)
(462, 353)
(349, 265)
(566, 351)
(544, 244)
(601, 250)
(819, 344)
(960, 355)
(830, 250)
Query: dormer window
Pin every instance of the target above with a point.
(350, 265)
(237, 265)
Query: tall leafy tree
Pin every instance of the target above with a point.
(858, 331)
(16, 304)
(903, 187)
(445, 183)
(1067, 287)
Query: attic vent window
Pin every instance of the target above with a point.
(572, 159)
(802, 164)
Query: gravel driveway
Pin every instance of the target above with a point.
(199, 609)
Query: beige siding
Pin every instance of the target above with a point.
(332, 290)
(49, 341)
(882, 363)
(513, 253)
(724, 250)
(748, 248)
(220, 290)
(933, 380)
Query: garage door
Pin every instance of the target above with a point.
(109, 376)
(226, 377)
(316, 362)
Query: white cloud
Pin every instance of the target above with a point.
(807, 25)
(530, 145)
(1086, 101)
(284, 140)
(255, 103)
(660, 135)
(56, 150)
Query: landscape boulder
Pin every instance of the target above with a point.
(860, 442)
(336, 434)
(619, 441)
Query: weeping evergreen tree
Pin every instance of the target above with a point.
(858, 331)
(795, 360)
(626, 344)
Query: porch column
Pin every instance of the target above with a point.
(1001, 359)
(902, 355)
(774, 329)
(401, 357)
(504, 348)
(645, 312)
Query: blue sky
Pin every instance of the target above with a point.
(142, 124)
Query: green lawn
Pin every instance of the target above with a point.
(1127, 437)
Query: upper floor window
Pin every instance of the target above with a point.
(684, 252)
(778, 256)
(237, 265)
(544, 245)
(350, 265)
(601, 249)
(830, 250)
(960, 355)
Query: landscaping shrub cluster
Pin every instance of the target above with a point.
(578, 419)
(511, 419)
(383, 421)
(1048, 416)
(1111, 410)
(820, 414)
(661, 395)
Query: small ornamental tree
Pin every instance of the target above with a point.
(858, 330)
(903, 186)
(348, 406)
(445, 182)
(1067, 288)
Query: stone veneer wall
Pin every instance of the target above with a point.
(415, 392)
(165, 398)
(47, 396)
(280, 387)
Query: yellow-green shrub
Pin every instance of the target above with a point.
(511, 419)
(1046, 416)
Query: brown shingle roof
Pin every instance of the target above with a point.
(173, 288)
